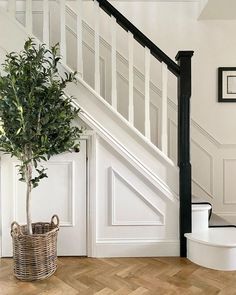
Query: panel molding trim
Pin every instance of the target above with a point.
(225, 193)
(71, 198)
(209, 190)
(113, 175)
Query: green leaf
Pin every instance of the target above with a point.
(35, 115)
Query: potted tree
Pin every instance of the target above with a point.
(36, 123)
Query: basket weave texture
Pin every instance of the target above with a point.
(35, 256)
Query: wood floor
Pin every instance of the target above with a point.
(122, 276)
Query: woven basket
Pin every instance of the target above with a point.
(35, 256)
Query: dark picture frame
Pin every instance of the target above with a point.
(227, 84)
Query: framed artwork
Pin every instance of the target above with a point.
(227, 84)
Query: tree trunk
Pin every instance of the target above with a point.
(28, 208)
(28, 176)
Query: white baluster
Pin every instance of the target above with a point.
(97, 51)
(46, 22)
(79, 38)
(147, 93)
(131, 77)
(12, 7)
(63, 30)
(28, 16)
(164, 109)
(113, 64)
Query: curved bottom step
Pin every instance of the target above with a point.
(213, 248)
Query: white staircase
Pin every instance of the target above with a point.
(121, 157)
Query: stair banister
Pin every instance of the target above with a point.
(46, 22)
(131, 78)
(113, 64)
(63, 50)
(139, 36)
(29, 16)
(97, 47)
(164, 110)
(147, 95)
(79, 28)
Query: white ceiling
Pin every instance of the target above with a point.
(219, 9)
(156, 0)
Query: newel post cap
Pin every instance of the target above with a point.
(185, 53)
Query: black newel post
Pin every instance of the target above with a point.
(185, 177)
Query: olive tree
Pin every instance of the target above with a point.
(35, 114)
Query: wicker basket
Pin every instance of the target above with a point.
(35, 256)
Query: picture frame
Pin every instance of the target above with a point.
(227, 84)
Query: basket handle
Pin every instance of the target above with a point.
(57, 220)
(16, 229)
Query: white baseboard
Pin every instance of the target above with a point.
(136, 248)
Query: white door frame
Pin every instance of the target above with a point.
(91, 138)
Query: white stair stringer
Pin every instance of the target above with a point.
(98, 114)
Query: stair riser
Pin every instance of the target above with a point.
(200, 215)
(214, 257)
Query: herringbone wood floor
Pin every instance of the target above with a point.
(122, 276)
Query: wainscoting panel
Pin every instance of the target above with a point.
(131, 212)
(62, 193)
(229, 183)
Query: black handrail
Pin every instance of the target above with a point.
(139, 36)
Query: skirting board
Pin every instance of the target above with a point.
(136, 248)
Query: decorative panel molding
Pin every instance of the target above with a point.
(202, 163)
(143, 212)
(229, 183)
(62, 178)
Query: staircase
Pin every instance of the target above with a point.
(117, 125)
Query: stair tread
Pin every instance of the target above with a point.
(200, 207)
(221, 237)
